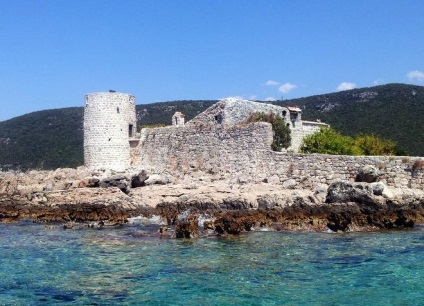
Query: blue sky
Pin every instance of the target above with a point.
(54, 52)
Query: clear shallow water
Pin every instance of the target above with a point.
(121, 266)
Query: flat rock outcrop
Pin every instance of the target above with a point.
(194, 208)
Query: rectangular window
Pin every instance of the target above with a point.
(130, 130)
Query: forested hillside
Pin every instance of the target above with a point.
(394, 111)
(54, 138)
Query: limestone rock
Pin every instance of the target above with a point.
(89, 182)
(344, 192)
(368, 174)
(289, 184)
(123, 182)
(320, 192)
(139, 179)
(156, 179)
(272, 201)
(273, 180)
(377, 188)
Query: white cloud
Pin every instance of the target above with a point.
(270, 99)
(346, 86)
(233, 97)
(287, 87)
(271, 83)
(253, 97)
(415, 75)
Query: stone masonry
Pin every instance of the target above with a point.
(242, 154)
(109, 125)
(233, 111)
(217, 145)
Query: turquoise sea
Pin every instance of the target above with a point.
(124, 266)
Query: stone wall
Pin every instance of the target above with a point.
(309, 170)
(108, 118)
(242, 154)
(224, 151)
(234, 111)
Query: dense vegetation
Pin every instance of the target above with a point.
(43, 140)
(282, 133)
(329, 141)
(393, 111)
(53, 138)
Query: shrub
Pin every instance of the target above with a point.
(374, 145)
(282, 133)
(329, 141)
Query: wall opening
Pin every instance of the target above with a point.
(218, 118)
(130, 130)
(117, 110)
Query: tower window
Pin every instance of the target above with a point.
(117, 110)
(130, 130)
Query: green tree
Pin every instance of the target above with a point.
(282, 133)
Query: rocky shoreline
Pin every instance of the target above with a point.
(207, 206)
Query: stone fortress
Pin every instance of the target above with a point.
(110, 126)
(218, 145)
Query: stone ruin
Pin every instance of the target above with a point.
(111, 140)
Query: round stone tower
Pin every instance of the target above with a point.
(109, 124)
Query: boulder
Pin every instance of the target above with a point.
(123, 182)
(320, 192)
(138, 180)
(235, 222)
(380, 189)
(89, 182)
(187, 226)
(343, 192)
(227, 224)
(156, 179)
(289, 184)
(368, 174)
(274, 180)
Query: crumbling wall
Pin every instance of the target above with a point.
(234, 111)
(242, 154)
